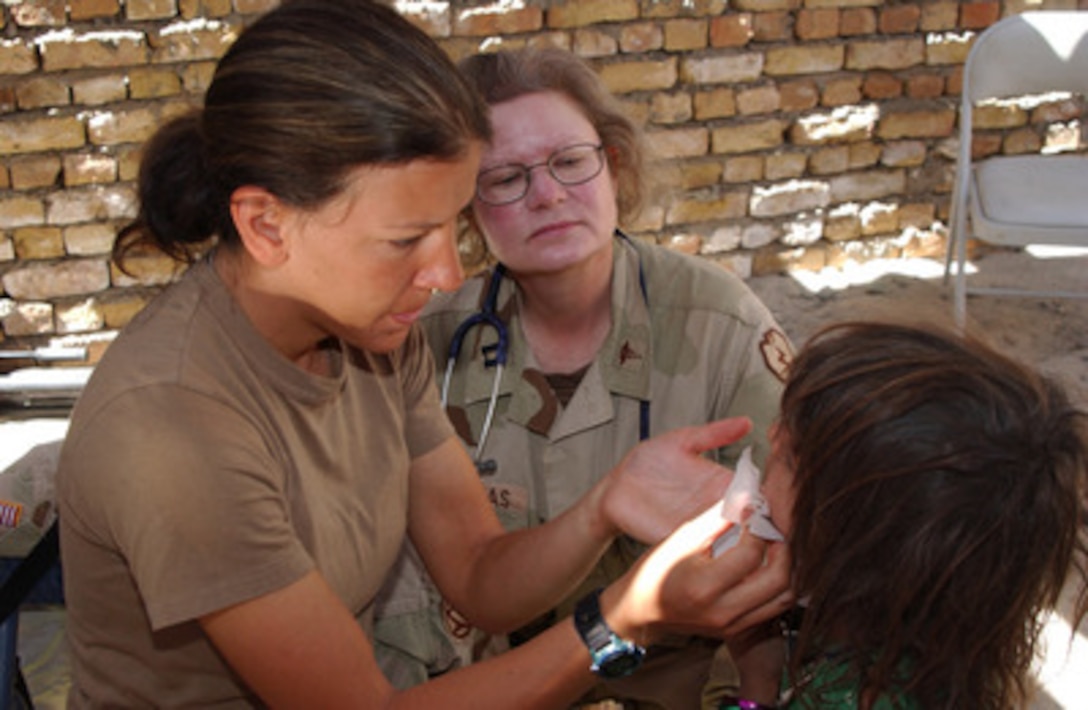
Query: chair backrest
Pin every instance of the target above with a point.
(1030, 53)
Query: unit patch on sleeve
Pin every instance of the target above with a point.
(777, 352)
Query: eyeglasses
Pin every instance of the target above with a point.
(572, 165)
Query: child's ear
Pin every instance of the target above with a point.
(259, 216)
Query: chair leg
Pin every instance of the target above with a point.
(959, 291)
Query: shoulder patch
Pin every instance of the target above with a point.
(777, 353)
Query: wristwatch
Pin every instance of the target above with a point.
(613, 657)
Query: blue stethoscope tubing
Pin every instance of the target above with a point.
(495, 355)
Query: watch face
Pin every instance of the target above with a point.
(620, 663)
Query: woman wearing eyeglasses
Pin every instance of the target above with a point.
(608, 340)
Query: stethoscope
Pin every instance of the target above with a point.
(495, 355)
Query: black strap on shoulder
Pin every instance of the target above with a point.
(30, 570)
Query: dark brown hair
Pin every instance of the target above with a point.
(309, 92)
(940, 488)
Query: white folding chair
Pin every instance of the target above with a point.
(1019, 200)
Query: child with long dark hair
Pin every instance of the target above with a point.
(932, 491)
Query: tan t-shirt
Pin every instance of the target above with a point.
(202, 469)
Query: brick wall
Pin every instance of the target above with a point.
(791, 133)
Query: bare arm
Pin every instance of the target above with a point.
(299, 647)
(500, 581)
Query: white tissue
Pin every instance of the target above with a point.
(744, 506)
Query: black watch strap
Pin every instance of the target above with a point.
(612, 656)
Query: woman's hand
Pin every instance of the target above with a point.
(680, 586)
(665, 480)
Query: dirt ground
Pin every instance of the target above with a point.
(1051, 334)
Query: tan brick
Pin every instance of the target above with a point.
(89, 169)
(155, 270)
(842, 223)
(119, 311)
(650, 219)
(99, 90)
(188, 9)
(766, 5)
(89, 239)
(782, 166)
(150, 83)
(843, 3)
(21, 211)
(689, 244)
(789, 198)
(192, 41)
(864, 154)
(947, 48)
(67, 278)
(1051, 111)
(857, 21)
(984, 145)
(979, 15)
(41, 134)
(925, 86)
(82, 316)
(817, 24)
(732, 30)
(760, 99)
(685, 35)
(150, 9)
(38, 243)
(803, 229)
(903, 154)
(1003, 115)
(879, 218)
(29, 319)
(703, 173)
(717, 103)
(830, 161)
(882, 85)
(641, 37)
(729, 69)
(1024, 140)
(255, 7)
(34, 171)
(745, 138)
(588, 12)
(815, 59)
(771, 27)
(670, 108)
(799, 95)
(38, 13)
(17, 57)
(128, 162)
(899, 19)
(678, 143)
(637, 110)
(888, 54)
(679, 8)
(498, 20)
(868, 185)
(79, 10)
(7, 253)
(937, 123)
(5, 178)
(708, 208)
(916, 214)
(91, 204)
(743, 168)
(67, 50)
(842, 92)
(432, 18)
(130, 125)
(624, 77)
(842, 125)
(197, 77)
(591, 43)
(939, 16)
